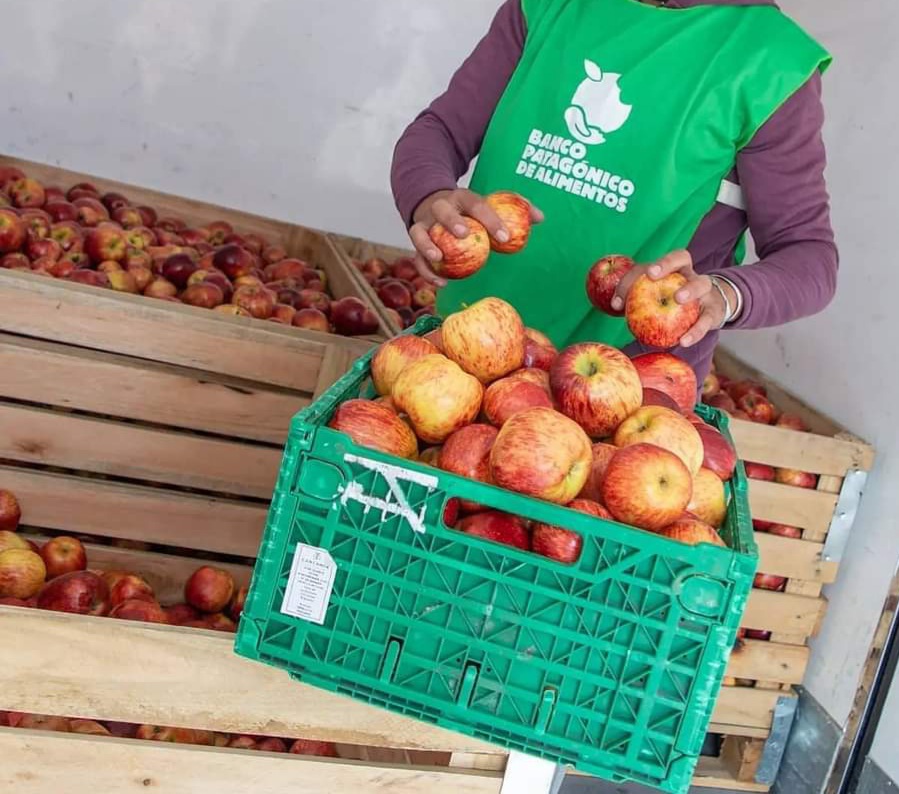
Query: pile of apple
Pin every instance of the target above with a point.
(162, 733)
(104, 241)
(405, 294)
(486, 398)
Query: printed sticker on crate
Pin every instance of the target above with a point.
(309, 587)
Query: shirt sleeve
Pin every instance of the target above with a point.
(781, 172)
(439, 145)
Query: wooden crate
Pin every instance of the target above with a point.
(355, 249)
(313, 246)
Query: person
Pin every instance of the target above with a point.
(660, 131)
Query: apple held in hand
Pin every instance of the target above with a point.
(654, 316)
(708, 503)
(392, 357)
(22, 573)
(670, 375)
(467, 453)
(603, 280)
(461, 257)
(562, 544)
(497, 526)
(541, 453)
(596, 386)
(602, 454)
(374, 426)
(646, 486)
(438, 396)
(665, 428)
(508, 396)
(487, 339)
(692, 532)
(515, 213)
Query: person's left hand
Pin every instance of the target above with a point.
(698, 287)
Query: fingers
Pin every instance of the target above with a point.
(672, 263)
(448, 214)
(695, 290)
(424, 270)
(424, 244)
(537, 215)
(709, 320)
(624, 286)
(475, 207)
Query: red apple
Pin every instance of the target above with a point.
(392, 357)
(722, 402)
(351, 317)
(234, 261)
(394, 294)
(515, 213)
(9, 601)
(91, 212)
(12, 231)
(10, 174)
(602, 454)
(404, 269)
(596, 385)
(759, 471)
(375, 426)
(176, 225)
(761, 526)
(258, 301)
(37, 224)
(219, 622)
(313, 299)
(10, 512)
(88, 727)
(140, 237)
(785, 531)
(603, 280)
(283, 313)
(271, 744)
(235, 608)
(63, 555)
(123, 281)
(142, 276)
(467, 453)
(286, 269)
(708, 503)
(22, 573)
(61, 211)
(44, 722)
(430, 456)
(424, 298)
(692, 532)
(112, 201)
(461, 257)
(204, 295)
(12, 540)
(756, 634)
(669, 374)
(139, 609)
(178, 268)
(128, 587)
(160, 288)
(82, 189)
(559, 444)
(710, 386)
(659, 398)
(487, 339)
(739, 389)
(718, 454)
(562, 544)
(149, 216)
(179, 614)
(539, 351)
(654, 316)
(533, 375)
(43, 248)
(106, 244)
(758, 408)
(230, 309)
(792, 422)
(311, 320)
(80, 592)
(508, 396)
(798, 479)
(209, 589)
(218, 231)
(274, 253)
(242, 743)
(26, 193)
(14, 261)
(128, 217)
(497, 526)
(665, 428)
(313, 747)
(89, 278)
(646, 486)
(767, 581)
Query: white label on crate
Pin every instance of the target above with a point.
(309, 587)
(396, 502)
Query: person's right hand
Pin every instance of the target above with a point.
(448, 208)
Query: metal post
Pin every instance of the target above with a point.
(528, 775)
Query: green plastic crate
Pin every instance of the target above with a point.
(611, 665)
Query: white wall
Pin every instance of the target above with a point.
(291, 109)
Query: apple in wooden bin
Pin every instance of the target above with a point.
(80, 592)
(798, 479)
(759, 471)
(558, 443)
(271, 744)
(602, 454)
(564, 545)
(10, 511)
(284, 269)
(313, 299)
(596, 385)
(723, 402)
(603, 279)
(351, 317)
(487, 339)
(393, 356)
(234, 261)
(438, 396)
(204, 295)
(209, 589)
(375, 426)
(44, 722)
(22, 573)
(15, 261)
(149, 215)
(692, 532)
(669, 374)
(9, 174)
(757, 407)
(394, 294)
(311, 320)
(63, 555)
(235, 608)
(82, 189)
(26, 192)
(313, 747)
(129, 217)
(257, 300)
(140, 610)
(90, 278)
(37, 227)
(105, 244)
(461, 257)
(179, 614)
(784, 531)
(646, 486)
(467, 453)
(710, 386)
(515, 214)
(91, 212)
(767, 581)
(88, 727)
(61, 211)
(12, 231)
(654, 317)
(665, 428)
(160, 288)
(128, 587)
(497, 526)
(792, 422)
(112, 201)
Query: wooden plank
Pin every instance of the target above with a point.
(103, 383)
(741, 757)
(712, 773)
(793, 449)
(337, 362)
(36, 762)
(136, 672)
(751, 708)
(794, 558)
(784, 612)
(154, 515)
(786, 504)
(769, 661)
(171, 333)
(72, 441)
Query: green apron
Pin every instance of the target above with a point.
(620, 122)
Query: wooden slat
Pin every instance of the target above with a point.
(794, 558)
(792, 449)
(770, 661)
(172, 333)
(741, 757)
(79, 505)
(71, 441)
(337, 361)
(134, 672)
(103, 383)
(786, 504)
(36, 762)
(784, 612)
(741, 706)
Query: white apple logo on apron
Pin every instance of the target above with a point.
(596, 108)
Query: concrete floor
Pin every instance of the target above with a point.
(582, 785)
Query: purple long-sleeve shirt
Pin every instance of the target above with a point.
(781, 172)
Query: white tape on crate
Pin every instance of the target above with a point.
(396, 502)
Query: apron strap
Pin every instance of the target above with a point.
(731, 194)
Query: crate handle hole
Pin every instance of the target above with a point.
(391, 659)
(468, 683)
